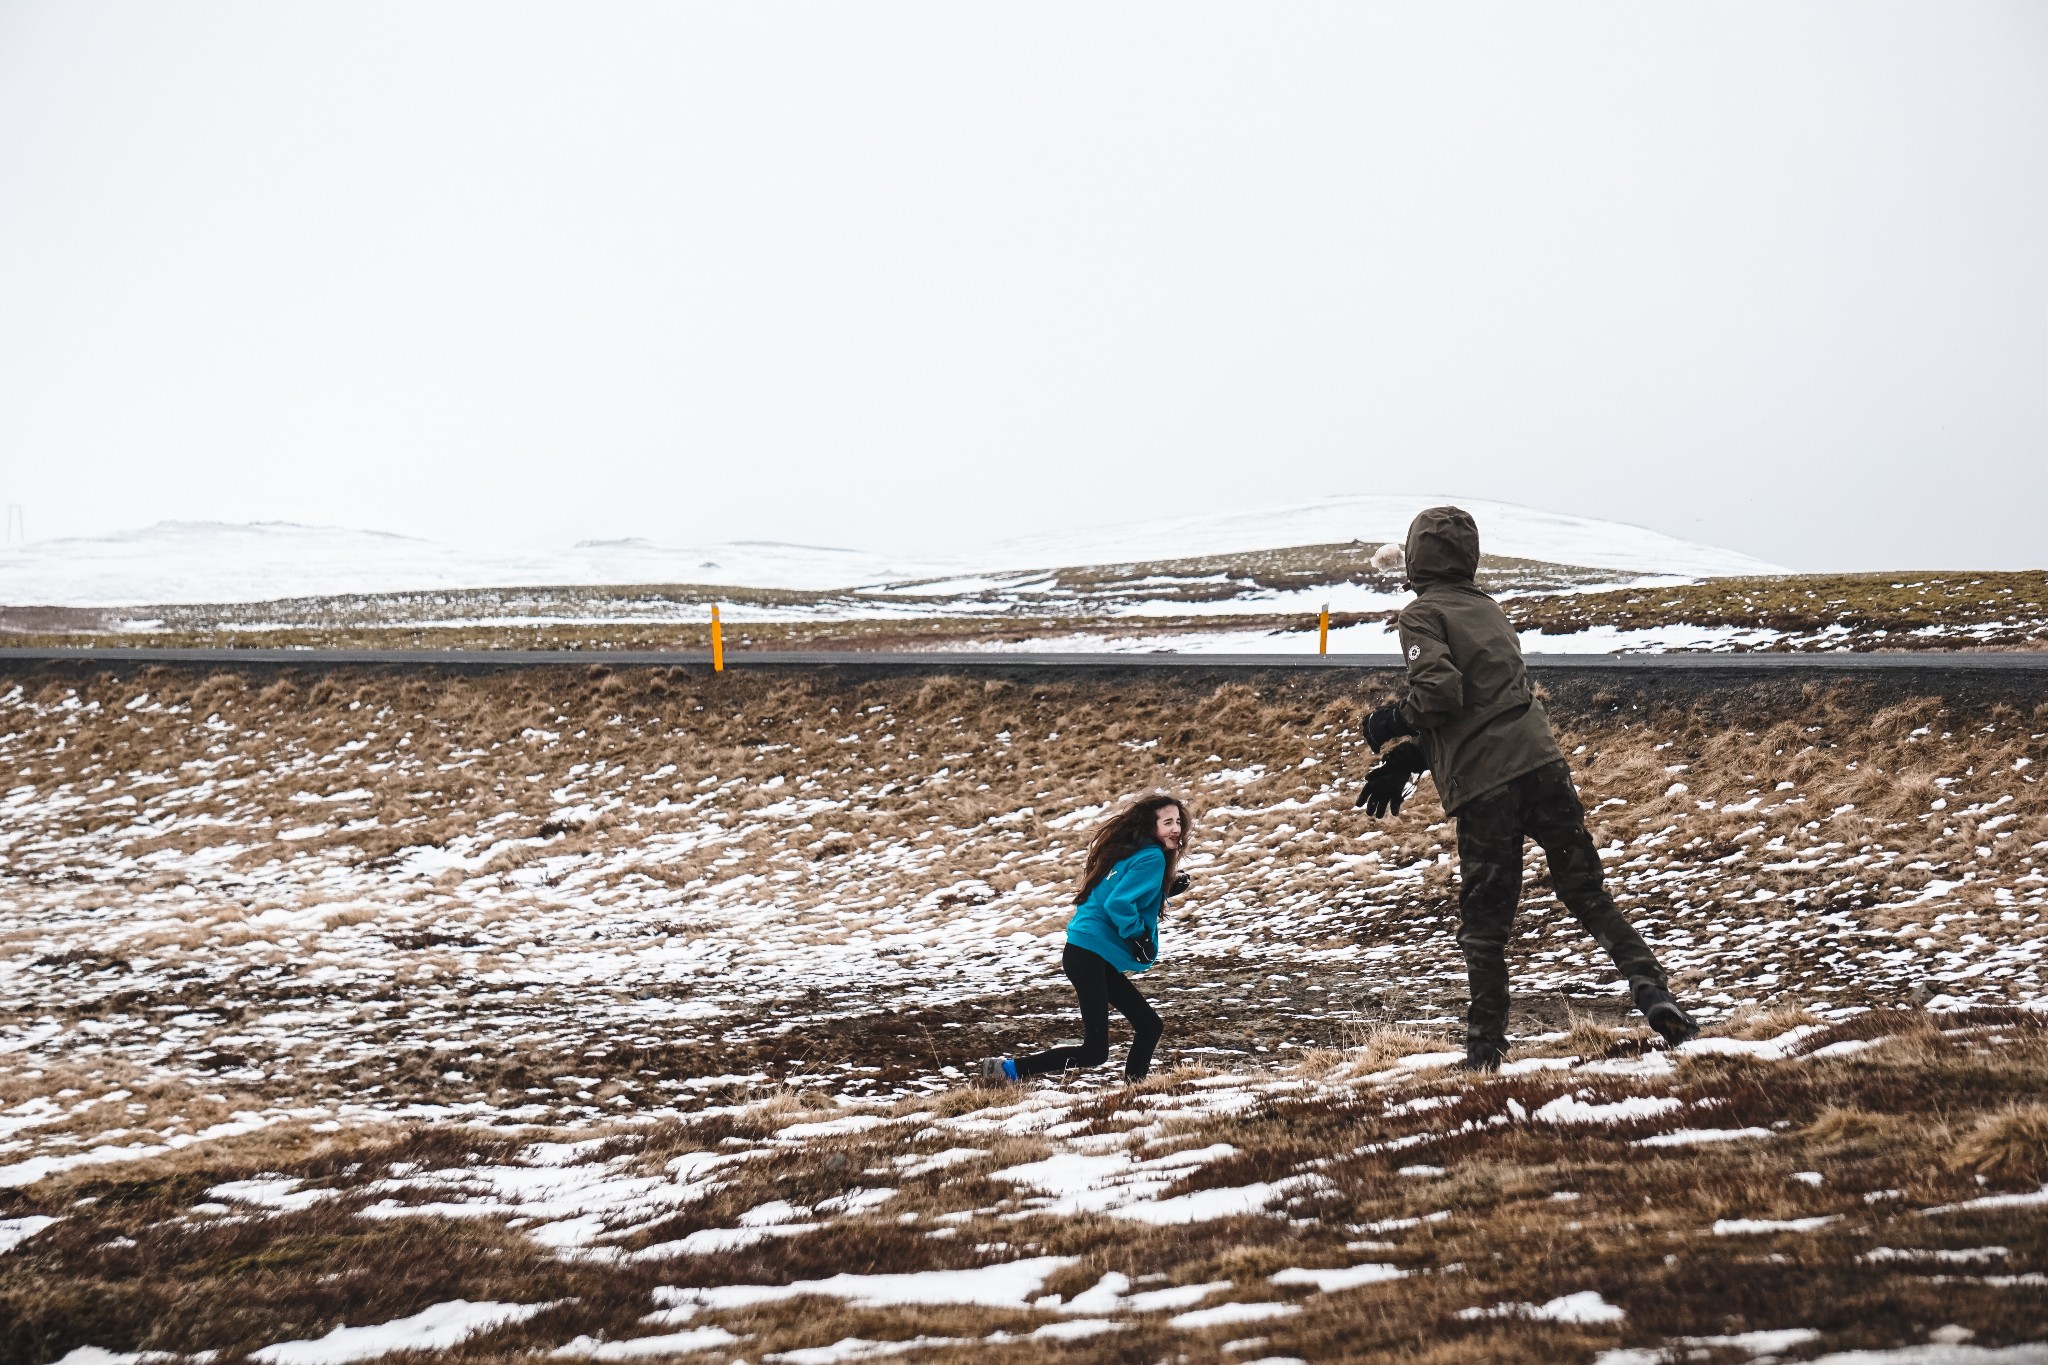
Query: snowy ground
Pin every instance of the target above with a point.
(309, 959)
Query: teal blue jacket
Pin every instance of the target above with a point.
(1124, 904)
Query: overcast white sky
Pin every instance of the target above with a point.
(911, 276)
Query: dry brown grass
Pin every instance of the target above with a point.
(1855, 1132)
(1586, 1037)
(1378, 1045)
(1751, 1022)
(2009, 1149)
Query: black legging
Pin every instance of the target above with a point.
(1098, 986)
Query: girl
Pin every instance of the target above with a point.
(1133, 866)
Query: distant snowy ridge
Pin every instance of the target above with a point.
(1504, 529)
(194, 562)
(190, 563)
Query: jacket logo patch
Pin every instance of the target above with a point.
(1414, 651)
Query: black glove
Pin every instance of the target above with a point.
(1141, 947)
(1386, 786)
(1386, 724)
(1180, 884)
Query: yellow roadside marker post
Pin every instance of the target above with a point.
(717, 643)
(1323, 633)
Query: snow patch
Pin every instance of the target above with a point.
(1586, 1307)
(1570, 1109)
(1340, 1278)
(1693, 1137)
(1995, 1201)
(1751, 1227)
(15, 1231)
(1224, 1314)
(635, 1348)
(1011, 1285)
(430, 1329)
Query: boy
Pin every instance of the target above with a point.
(1500, 774)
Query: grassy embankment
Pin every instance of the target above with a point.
(409, 926)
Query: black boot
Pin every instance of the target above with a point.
(1673, 1024)
(1483, 1054)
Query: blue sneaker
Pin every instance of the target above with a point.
(998, 1071)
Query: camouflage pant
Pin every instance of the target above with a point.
(1544, 806)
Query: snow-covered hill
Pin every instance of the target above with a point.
(1504, 529)
(182, 562)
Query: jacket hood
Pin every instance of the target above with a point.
(1443, 547)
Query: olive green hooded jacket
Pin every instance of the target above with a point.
(1468, 691)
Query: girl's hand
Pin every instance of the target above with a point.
(1180, 884)
(1140, 947)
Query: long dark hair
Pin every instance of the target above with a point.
(1129, 830)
